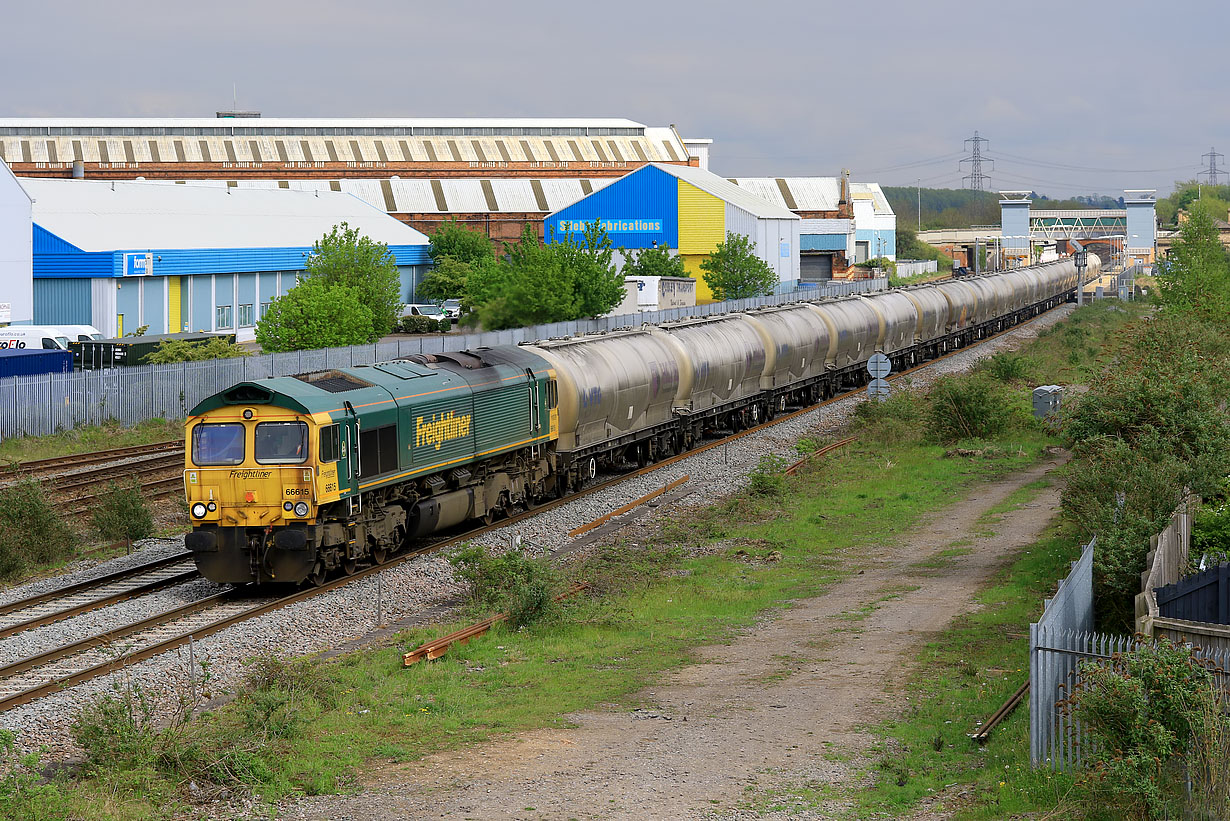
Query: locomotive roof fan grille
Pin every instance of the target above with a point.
(247, 395)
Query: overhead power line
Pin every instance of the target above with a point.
(1068, 167)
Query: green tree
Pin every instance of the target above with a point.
(315, 314)
(344, 257)
(532, 286)
(597, 284)
(455, 241)
(447, 280)
(653, 262)
(733, 271)
(1195, 277)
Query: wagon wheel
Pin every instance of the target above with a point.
(349, 566)
(379, 555)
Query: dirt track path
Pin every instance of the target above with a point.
(781, 706)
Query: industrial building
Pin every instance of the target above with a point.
(495, 175)
(689, 210)
(844, 223)
(121, 255)
(16, 263)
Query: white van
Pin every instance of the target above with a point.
(79, 333)
(33, 336)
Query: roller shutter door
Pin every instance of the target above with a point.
(815, 267)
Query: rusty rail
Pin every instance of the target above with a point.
(438, 647)
(601, 520)
(983, 733)
(793, 468)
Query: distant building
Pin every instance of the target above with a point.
(16, 262)
(493, 174)
(121, 255)
(690, 210)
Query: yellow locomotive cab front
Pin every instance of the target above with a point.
(251, 478)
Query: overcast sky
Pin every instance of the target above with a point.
(1075, 97)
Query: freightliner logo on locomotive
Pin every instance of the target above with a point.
(440, 429)
(251, 474)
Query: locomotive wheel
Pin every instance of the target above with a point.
(379, 555)
(318, 575)
(349, 566)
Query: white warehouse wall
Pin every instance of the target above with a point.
(16, 248)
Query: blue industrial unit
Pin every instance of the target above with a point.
(30, 362)
(178, 258)
(640, 210)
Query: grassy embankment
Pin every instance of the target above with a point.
(88, 439)
(313, 732)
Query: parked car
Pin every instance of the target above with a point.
(452, 308)
(424, 309)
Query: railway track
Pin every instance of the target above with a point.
(110, 651)
(82, 597)
(59, 464)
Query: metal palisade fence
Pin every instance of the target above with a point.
(37, 405)
(1057, 642)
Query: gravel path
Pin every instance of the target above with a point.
(350, 611)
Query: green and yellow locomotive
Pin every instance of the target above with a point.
(292, 478)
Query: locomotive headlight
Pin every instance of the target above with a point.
(288, 506)
(301, 509)
(198, 510)
(212, 506)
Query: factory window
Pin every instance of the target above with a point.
(245, 316)
(330, 443)
(281, 443)
(222, 317)
(265, 308)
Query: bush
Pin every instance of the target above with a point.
(179, 350)
(121, 513)
(967, 407)
(1211, 533)
(1153, 716)
(767, 478)
(116, 730)
(32, 533)
(422, 325)
(512, 583)
(897, 420)
(1007, 366)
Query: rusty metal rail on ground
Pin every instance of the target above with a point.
(829, 448)
(438, 647)
(983, 733)
(601, 520)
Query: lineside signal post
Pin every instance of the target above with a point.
(879, 367)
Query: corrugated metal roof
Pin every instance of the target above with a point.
(317, 122)
(727, 191)
(879, 201)
(808, 193)
(104, 216)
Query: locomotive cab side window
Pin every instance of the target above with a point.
(214, 444)
(330, 443)
(552, 395)
(281, 443)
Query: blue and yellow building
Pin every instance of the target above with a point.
(689, 210)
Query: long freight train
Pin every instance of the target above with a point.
(294, 478)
